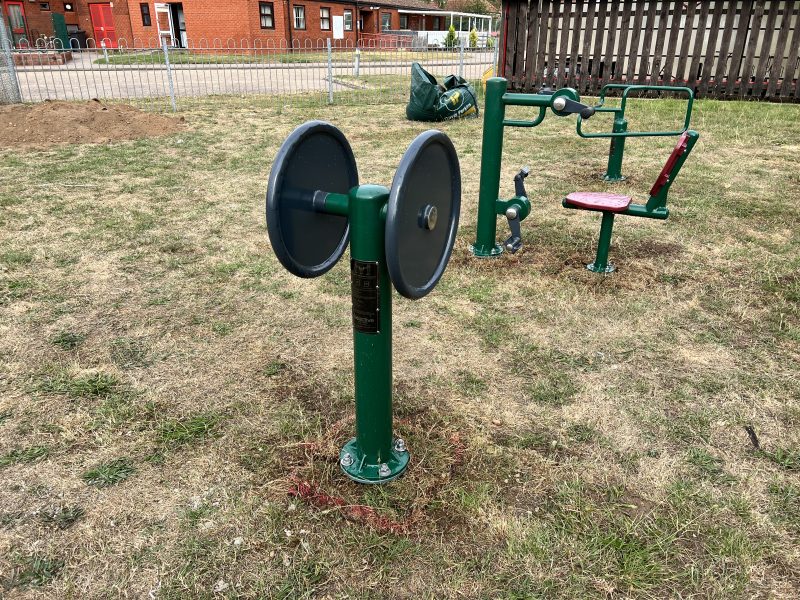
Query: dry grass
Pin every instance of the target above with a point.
(164, 384)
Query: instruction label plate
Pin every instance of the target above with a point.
(366, 296)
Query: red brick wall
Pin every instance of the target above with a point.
(122, 21)
(312, 34)
(38, 22)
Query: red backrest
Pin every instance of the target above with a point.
(664, 176)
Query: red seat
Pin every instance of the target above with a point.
(601, 201)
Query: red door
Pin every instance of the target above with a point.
(16, 20)
(103, 24)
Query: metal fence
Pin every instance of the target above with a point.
(321, 72)
(9, 86)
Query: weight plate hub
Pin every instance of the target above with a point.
(314, 160)
(422, 214)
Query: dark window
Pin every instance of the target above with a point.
(324, 18)
(144, 7)
(69, 7)
(403, 21)
(436, 23)
(386, 21)
(266, 13)
(348, 20)
(44, 5)
(299, 17)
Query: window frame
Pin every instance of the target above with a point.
(328, 8)
(402, 16)
(144, 12)
(302, 7)
(262, 15)
(386, 14)
(347, 13)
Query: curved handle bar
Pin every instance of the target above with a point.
(627, 89)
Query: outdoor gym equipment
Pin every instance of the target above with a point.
(613, 204)
(562, 102)
(405, 235)
(619, 131)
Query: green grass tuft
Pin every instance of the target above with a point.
(27, 455)
(37, 570)
(68, 340)
(192, 429)
(110, 473)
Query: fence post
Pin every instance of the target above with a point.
(460, 57)
(169, 74)
(330, 73)
(105, 50)
(357, 65)
(9, 84)
(495, 66)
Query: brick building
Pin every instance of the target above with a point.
(275, 22)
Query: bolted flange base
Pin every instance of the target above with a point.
(353, 462)
(609, 269)
(613, 178)
(486, 251)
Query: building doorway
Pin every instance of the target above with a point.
(171, 24)
(178, 24)
(103, 24)
(15, 11)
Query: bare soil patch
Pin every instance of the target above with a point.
(92, 122)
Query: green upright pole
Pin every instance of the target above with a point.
(491, 157)
(600, 264)
(614, 170)
(373, 456)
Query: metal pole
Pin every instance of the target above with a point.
(495, 66)
(615, 153)
(10, 91)
(357, 66)
(491, 157)
(330, 73)
(460, 57)
(373, 456)
(105, 50)
(600, 264)
(169, 75)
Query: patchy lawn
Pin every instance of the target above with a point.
(172, 401)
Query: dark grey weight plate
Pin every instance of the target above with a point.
(428, 176)
(315, 157)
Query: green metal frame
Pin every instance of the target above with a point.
(489, 205)
(373, 455)
(655, 208)
(619, 131)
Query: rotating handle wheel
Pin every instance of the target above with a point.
(422, 214)
(315, 160)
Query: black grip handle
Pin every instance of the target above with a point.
(519, 182)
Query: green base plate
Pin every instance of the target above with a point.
(353, 462)
(486, 251)
(609, 269)
(609, 179)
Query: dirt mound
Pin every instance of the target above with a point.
(48, 123)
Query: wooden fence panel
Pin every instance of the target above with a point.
(577, 30)
(764, 55)
(532, 45)
(722, 49)
(780, 49)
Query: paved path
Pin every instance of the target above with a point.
(82, 79)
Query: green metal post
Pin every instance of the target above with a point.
(491, 157)
(614, 170)
(600, 264)
(373, 456)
